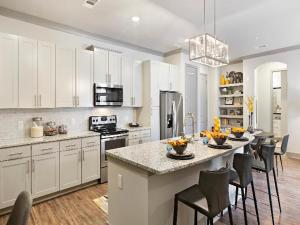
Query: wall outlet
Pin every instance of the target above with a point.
(20, 125)
(120, 181)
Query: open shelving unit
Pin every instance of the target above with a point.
(231, 104)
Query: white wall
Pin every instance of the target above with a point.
(75, 119)
(291, 58)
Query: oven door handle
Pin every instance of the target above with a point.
(117, 137)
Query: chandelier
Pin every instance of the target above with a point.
(207, 49)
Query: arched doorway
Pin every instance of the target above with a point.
(270, 88)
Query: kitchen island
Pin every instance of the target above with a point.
(143, 181)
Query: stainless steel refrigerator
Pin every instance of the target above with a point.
(171, 114)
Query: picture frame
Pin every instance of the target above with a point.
(229, 101)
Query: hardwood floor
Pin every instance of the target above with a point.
(78, 208)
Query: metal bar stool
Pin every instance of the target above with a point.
(241, 177)
(209, 197)
(282, 151)
(266, 165)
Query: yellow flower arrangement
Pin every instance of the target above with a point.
(238, 130)
(250, 104)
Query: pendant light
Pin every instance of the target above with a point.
(207, 49)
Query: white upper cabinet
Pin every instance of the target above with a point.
(84, 78)
(115, 68)
(46, 75)
(28, 73)
(8, 71)
(107, 67)
(65, 77)
(174, 78)
(155, 83)
(100, 66)
(132, 81)
(168, 77)
(127, 81)
(164, 84)
(137, 84)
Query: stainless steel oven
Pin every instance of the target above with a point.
(108, 95)
(109, 142)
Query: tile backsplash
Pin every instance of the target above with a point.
(16, 123)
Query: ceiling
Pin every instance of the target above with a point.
(165, 24)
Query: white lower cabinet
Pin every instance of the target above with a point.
(15, 177)
(70, 168)
(45, 174)
(139, 136)
(90, 163)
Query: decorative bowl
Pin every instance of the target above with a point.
(179, 145)
(238, 134)
(220, 141)
(180, 149)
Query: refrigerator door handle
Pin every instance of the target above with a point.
(174, 119)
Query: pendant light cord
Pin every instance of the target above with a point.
(215, 18)
(204, 16)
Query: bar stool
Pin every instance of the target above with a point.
(241, 177)
(282, 151)
(266, 165)
(209, 197)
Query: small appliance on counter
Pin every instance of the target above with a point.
(111, 137)
(62, 129)
(37, 130)
(50, 129)
(134, 125)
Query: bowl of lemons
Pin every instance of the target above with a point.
(179, 145)
(238, 132)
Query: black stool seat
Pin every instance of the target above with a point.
(209, 197)
(234, 177)
(194, 198)
(241, 177)
(258, 165)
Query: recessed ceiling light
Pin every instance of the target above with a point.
(135, 19)
(90, 3)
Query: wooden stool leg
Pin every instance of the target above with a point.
(281, 163)
(195, 218)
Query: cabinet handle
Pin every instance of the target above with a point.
(131, 100)
(46, 149)
(79, 156)
(82, 155)
(33, 166)
(74, 101)
(28, 169)
(77, 100)
(40, 102)
(35, 101)
(14, 154)
(69, 146)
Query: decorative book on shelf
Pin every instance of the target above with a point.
(231, 93)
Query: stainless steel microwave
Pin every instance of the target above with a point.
(108, 95)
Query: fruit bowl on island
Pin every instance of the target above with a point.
(238, 132)
(179, 145)
(219, 138)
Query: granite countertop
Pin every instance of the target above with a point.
(5, 143)
(152, 156)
